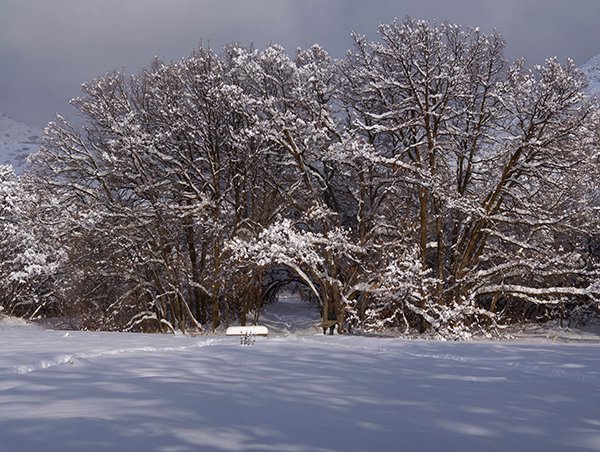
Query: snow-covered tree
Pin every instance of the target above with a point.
(484, 159)
(141, 178)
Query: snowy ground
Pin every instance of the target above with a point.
(296, 390)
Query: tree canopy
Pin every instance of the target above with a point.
(423, 182)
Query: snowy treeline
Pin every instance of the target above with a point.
(423, 182)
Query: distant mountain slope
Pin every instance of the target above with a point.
(17, 141)
(592, 70)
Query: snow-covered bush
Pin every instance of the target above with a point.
(29, 258)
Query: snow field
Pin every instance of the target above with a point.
(87, 391)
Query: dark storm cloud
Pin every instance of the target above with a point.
(47, 48)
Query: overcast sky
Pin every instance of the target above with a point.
(49, 47)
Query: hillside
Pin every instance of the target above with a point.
(592, 70)
(17, 141)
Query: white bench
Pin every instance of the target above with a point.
(325, 324)
(252, 330)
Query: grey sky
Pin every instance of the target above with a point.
(49, 47)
